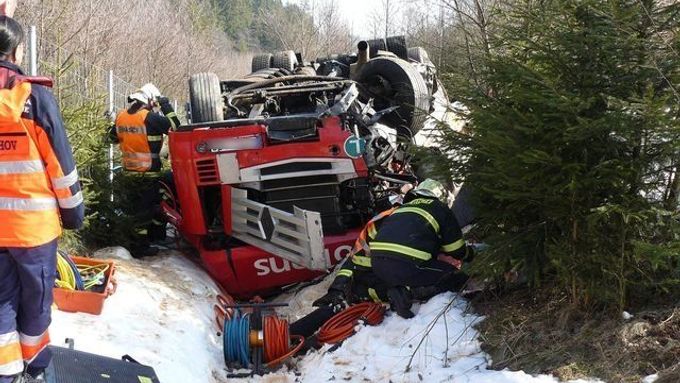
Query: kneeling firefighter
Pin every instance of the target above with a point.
(139, 131)
(423, 225)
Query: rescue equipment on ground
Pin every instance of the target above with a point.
(254, 337)
(83, 284)
(72, 366)
(343, 324)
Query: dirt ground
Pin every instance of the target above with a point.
(540, 333)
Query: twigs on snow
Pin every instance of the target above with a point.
(430, 326)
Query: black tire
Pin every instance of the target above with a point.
(284, 60)
(419, 54)
(376, 45)
(397, 45)
(261, 61)
(206, 98)
(395, 82)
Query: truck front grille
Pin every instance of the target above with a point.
(316, 193)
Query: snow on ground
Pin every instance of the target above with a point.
(162, 316)
(450, 352)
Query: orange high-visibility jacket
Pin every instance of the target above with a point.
(39, 188)
(140, 146)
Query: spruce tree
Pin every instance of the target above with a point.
(575, 137)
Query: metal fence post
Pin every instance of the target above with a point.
(33, 51)
(111, 115)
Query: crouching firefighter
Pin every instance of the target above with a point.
(420, 247)
(39, 194)
(357, 280)
(139, 131)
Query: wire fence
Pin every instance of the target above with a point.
(77, 82)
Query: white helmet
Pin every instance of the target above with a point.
(146, 94)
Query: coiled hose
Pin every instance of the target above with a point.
(236, 339)
(342, 325)
(275, 339)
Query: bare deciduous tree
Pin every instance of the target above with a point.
(311, 28)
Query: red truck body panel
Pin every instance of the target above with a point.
(244, 270)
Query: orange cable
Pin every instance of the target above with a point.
(341, 325)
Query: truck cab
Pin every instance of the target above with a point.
(277, 172)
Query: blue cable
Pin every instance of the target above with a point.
(236, 339)
(79, 280)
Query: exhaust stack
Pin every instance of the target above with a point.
(363, 56)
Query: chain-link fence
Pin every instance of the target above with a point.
(76, 81)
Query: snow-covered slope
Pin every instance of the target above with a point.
(449, 352)
(162, 316)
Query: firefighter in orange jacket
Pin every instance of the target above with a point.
(39, 194)
(139, 131)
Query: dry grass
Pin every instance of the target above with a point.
(541, 333)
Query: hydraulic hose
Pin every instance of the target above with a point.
(277, 341)
(343, 324)
(236, 340)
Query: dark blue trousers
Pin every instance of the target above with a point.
(26, 279)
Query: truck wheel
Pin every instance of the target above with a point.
(261, 61)
(395, 82)
(206, 98)
(285, 60)
(418, 54)
(376, 45)
(397, 45)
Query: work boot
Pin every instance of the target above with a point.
(141, 251)
(454, 282)
(34, 375)
(425, 292)
(28, 378)
(401, 301)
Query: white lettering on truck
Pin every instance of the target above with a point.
(276, 265)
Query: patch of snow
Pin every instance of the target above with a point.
(451, 115)
(650, 378)
(626, 315)
(161, 315)
(115, 252)
(450, 352)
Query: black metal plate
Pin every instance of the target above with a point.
(71, 366)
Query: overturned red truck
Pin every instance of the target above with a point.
(278, 171)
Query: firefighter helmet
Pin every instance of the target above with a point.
(431, 189)
(146, 94)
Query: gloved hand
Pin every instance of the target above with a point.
(163, 100)
(401, 301)
(332, 298)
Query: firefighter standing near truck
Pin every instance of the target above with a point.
(39, 194)
(409, 252)
(139, 131)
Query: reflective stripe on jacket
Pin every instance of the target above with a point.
(419, 230)
(134, 141)
(34, 155)
(361, 253)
